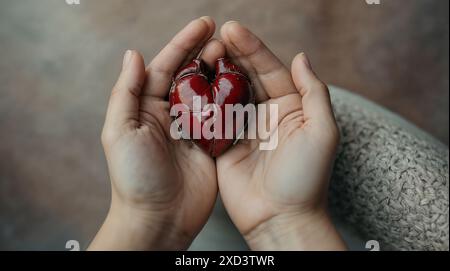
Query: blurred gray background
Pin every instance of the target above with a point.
(58, 63)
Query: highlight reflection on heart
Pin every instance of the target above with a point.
(227, 85)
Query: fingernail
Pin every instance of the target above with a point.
(126, 59)
(306, 60)
(207, 18)
(231, 22)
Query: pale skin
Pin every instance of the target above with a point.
(163, 190)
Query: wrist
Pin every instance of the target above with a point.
(300, 232)
(128, 228)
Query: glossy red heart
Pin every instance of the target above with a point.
(226, 85)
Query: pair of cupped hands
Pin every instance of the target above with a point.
(164, 190)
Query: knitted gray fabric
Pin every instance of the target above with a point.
(389, 184)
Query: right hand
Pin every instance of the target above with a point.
(277, 199)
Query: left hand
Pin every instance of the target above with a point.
(163, 190)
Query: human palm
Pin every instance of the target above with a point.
(258, 185)
(171, 182)
(152, 172)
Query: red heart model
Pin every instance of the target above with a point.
(227, 85)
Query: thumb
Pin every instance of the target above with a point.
(123, 105)
(315, 96)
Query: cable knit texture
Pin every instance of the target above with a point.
(390, 185)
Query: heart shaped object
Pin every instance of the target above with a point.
(227, 85)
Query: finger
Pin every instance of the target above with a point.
(213, 50)
(184, 46)
(275, 79)
(315, 96)
(123, 105)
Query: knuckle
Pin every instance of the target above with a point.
(179, 46)
(107, 137)
(334, 134)
(318, 87)
(322, 87)
(114, 92)
(124, 89)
